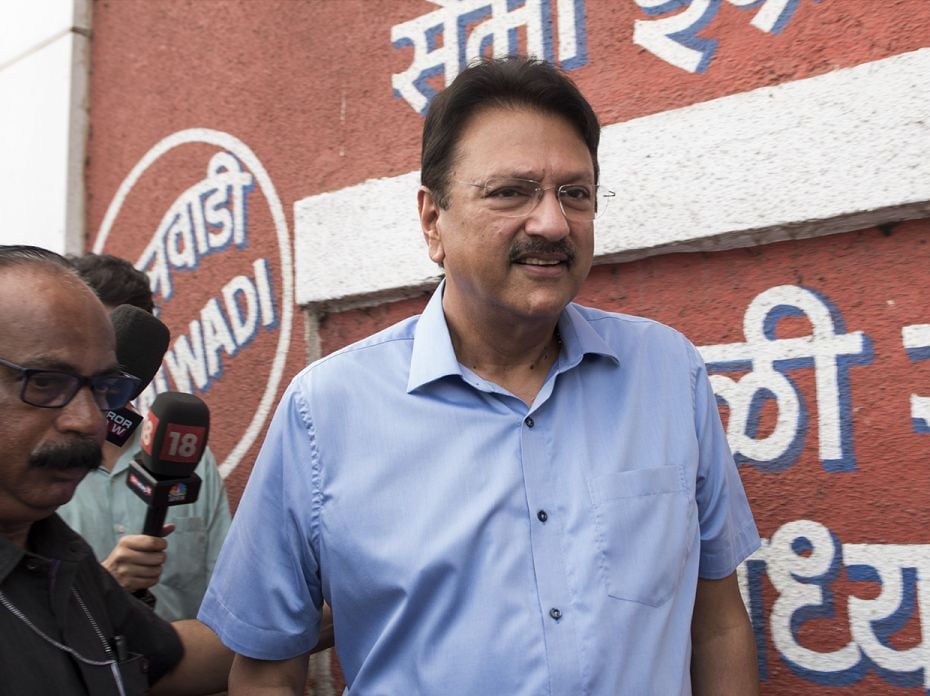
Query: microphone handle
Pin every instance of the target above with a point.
(154, 520)
(147, 597)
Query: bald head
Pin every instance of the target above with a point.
(21, 254)
(37, 283)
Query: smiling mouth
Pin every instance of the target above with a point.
(541, 262)
(543, 253)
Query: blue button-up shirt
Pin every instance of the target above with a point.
(470, 544)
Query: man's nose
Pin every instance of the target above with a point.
(83, 415)
(548, 219)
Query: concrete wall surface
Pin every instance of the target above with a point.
(44, 52)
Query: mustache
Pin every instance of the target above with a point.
(78, 453)
(536, 246)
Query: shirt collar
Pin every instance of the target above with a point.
(127, 453)
(579, 338)
(434, 358)
(50, 538)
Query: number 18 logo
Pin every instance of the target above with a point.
(182, 443)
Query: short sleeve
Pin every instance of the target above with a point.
(264, 597)
(728, 531)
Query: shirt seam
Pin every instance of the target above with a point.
(316, 475)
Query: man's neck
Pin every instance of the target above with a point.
(16, 532)
(515, 358)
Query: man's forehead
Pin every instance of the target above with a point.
(49, 315)
(484, 137)
(23, 278)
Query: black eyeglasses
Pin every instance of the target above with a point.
(56, 388)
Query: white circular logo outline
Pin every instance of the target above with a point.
(245, 154)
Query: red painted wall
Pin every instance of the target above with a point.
(305, 90)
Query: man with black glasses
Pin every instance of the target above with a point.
(68, 627)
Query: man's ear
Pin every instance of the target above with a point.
(429, 209)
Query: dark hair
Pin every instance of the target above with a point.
(115, 280)
(514, 81)
(23, 254)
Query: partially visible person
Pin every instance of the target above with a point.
(510, 493)
(110, 516)
(67, 625)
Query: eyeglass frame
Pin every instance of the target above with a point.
(540, 192)
(26, 373)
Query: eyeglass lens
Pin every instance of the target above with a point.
(52, 389)
(55, 389)
(517, 197)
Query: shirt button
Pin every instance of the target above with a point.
(529, 422)
(120, 529)
(555, 613)
(32, 565)
(542, 516)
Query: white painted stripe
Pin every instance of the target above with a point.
(361, 239)
(832, 153)
(915, 336)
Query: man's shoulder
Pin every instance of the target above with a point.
(53, 537)
(617, 326)
(377, 364)
(376, 351)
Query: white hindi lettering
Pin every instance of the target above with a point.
(226, 325)
(904, 574)
(206, 218)
(444, 40)
(675, 38)
(916, 340)
(768, 359)
(802, 560)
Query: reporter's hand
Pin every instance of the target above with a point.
(137, 560)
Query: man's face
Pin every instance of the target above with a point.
(505, 269)
(50, 320)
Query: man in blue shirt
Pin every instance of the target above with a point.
(510, 493)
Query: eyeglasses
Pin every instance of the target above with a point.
(514, 197)
(56, 388)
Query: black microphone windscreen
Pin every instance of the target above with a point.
(141, 342)
(174, 437)
(174, 434)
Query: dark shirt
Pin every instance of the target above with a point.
(48, 584)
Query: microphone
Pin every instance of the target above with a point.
(141, 343)
(174, 436)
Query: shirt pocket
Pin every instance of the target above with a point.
(186, 565)
(645, 526)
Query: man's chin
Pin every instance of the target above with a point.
(62, 483)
